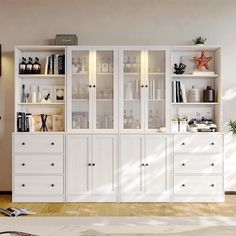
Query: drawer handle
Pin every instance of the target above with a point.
(212, 164)
(183, 164)
(23, 185)
(183, 144)
(146, 164)
(52, 164)
(212, 185)
(183, 185)
(23, 143)
(52, 143)
(212, 143)
(23, 164)
(52, 185)
(93, 164)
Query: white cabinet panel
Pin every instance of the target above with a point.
(195, 163)
(103, 164)
(78, 158)
(40, 143)
(156, 164)
(198, 143)
(38, 185)
(38, 164)
(132, 171)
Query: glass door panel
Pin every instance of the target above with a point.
(80, 90)
(156, 91)
(104, 90)
(131, 90)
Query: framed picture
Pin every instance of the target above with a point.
(59, 93)
(47, 93)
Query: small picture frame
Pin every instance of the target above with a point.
(59, 94)
(47, 93)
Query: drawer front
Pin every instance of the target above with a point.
(198, 185)
(31, 185)
(198, 143)
(41, 143)
(38, 164)
(198, 163)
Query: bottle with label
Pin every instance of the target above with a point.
(134, 66)
(36, 69)
(29, 66)
(22, 66)
(104, 66)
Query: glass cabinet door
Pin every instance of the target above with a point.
(156, 89)
(105, 89)
(80, 90)
(132, 95)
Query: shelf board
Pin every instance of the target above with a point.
(132, 100)
(40, 76)
(42, 48)
(41, 104)
(126, 73)
(156, 73)
(104, 73)
(80, 73)
(104, 100)
(194, 76)
(195, 103)
(80, 100)
(156, 100)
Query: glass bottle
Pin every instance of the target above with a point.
(104, 66)
(29, 66)
(79, 66)
(22, 66)
(74, 66)
(110, 66)
(134, 66)
(39, 95)
(36, 69)
(128, 66)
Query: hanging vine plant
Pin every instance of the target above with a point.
(232, 127)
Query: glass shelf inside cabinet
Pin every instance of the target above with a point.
(104, 90)
(156, 98)
(131, 90)
(80, 90)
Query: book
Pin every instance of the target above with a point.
(177, 92)
(61, 64)
(53, 60)
(15, 212)
(173, 92)
(56, 65)
(46, 66)
(183, 91)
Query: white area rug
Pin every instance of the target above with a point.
(121, 226)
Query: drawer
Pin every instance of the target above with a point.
(38, 185)
(38, 143)
(198, 143)
(198, 163)
(38, 164)
(198, 185)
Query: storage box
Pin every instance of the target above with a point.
(66, 39)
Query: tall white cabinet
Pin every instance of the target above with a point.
(109, 118)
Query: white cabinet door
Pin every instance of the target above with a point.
(78, 159)
(132, 171)
(103, 164)
(156, 164)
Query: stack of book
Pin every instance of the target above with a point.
(55, 65)
(178, 92)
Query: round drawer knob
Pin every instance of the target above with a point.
(183, 144)
(52, 143)
(146, 164)
(52, 185)
(143, 164)
(23, 164)
(142, 86)
(183, 185)
(90, 86)
(52, 164)
(93, 164)
(23, 143)
(183, 164)
(212, 164)
(89, 164)
(146, 86)
(212, 185)
(23, 185)
(212, 143)
(94, 86)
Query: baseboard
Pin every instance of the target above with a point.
(5, 192)
(230, 193)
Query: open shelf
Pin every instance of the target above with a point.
(41, 76)
(41, 104)
(194, 76)
(194, 103)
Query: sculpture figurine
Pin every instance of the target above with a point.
(202, 61)
(179, 69)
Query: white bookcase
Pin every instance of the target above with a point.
(114, 140)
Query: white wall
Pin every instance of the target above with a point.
(112, 22)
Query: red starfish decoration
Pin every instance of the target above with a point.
(202, 61)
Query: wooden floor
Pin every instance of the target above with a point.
(128, 209)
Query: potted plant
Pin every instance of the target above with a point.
(199, 41)
(232, 127)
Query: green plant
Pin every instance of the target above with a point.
(199, 40)
(232, 127)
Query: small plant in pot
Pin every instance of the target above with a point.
(232, 127)
(199, 41)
